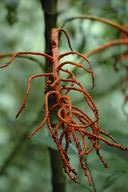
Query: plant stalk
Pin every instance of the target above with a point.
(50, 17)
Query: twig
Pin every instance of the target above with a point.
(100, 19)
(2, 55)
(100, 48)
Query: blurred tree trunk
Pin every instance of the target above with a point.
(50, 17)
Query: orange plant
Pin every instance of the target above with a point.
(122, 41)
(72, 122)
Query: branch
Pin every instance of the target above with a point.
(102, 47)
(107, 45)
(100, 19)
(2, 55)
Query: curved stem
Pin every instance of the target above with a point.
(100, 19)
(107, 45)
(2, 55)
(25, 53)
(102, 47)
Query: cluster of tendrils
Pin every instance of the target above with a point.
(73, 124)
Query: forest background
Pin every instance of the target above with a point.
(24, 163)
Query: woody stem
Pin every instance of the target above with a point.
(50, 15)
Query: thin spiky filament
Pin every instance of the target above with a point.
(72, 121)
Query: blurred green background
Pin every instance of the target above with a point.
(25, 164)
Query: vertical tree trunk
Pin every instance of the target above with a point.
(50, 16)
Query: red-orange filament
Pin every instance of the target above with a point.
(72, 122)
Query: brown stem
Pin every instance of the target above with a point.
(50, 15)
(102, 47)
(2, 55)
(100, 19)
(107, 45)
(58, 179)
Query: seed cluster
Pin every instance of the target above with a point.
(73, 124)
